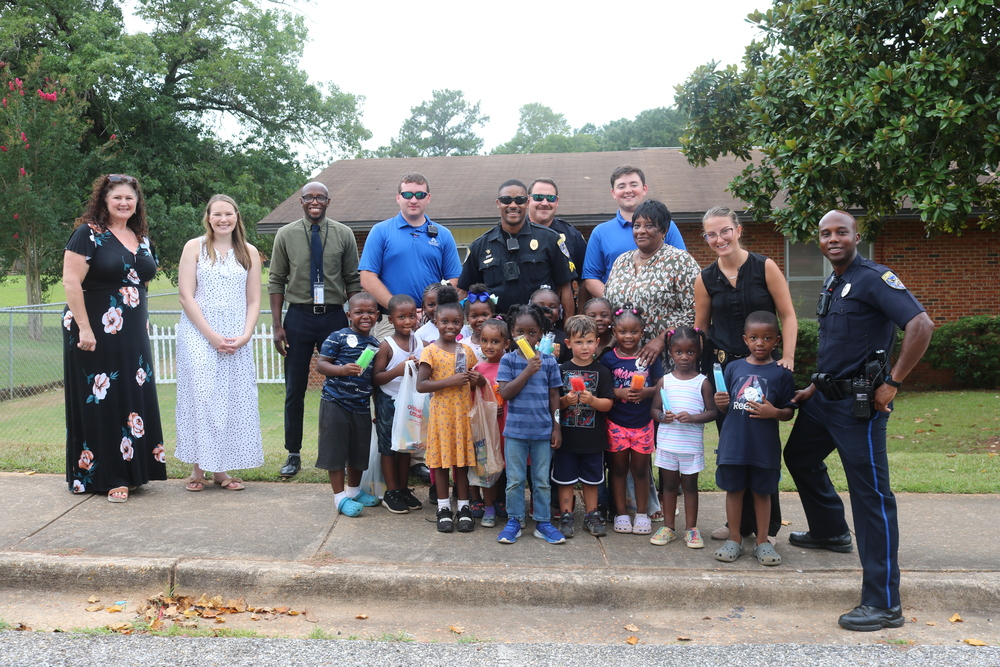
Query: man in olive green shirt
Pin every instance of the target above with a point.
(314, 267)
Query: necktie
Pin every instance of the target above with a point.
(316, 257)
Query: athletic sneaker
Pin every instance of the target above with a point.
(488, 520)
(392, 501)
(593, 523)
(663, 536)
(406, 495)
(466, 522)
(693, 539)
(549, 533)
(445, 520)
(566, 524)
(366, 499)
(510, 532)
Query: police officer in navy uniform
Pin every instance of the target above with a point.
(517, 257)
(859, 308)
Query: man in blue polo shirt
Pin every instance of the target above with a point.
(612, 238)
(404, 254)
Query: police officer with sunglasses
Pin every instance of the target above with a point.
(846, 408)
(517, 257)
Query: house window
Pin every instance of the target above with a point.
(807, 269)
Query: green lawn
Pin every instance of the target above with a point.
(938, 441)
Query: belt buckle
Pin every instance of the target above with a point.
(319, 309)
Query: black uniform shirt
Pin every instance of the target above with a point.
(540, 262)
(868, 302)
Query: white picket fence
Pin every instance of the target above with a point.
(163, 340)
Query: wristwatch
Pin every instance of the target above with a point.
(892, 383)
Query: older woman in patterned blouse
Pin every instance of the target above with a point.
(659, 278)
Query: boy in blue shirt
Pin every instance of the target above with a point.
(749, 453)
(345, 420)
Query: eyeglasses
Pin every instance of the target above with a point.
(411, 195)
(506, 199)
(725, 234)
(121, 178)
(319, 199)
(549, 198)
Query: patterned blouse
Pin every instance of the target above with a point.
(663, 287)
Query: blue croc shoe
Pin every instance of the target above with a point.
(549, 533)
(349, 507)
(366, 499)
(510, 532)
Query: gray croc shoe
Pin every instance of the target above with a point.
(729, 551)
(766, 555)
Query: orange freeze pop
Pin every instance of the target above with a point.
(638, 381)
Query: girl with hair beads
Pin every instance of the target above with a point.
(428, 332)
(494, 341)
(530, 383)
(480, 306)
(630, 426)
(446, 372)
(680, 449)
(600, 310)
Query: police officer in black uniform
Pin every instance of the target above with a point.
(846, 408)
(517, 257)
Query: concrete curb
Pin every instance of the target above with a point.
(614, 588)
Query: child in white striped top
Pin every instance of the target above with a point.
(680, 449)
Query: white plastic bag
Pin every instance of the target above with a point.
(409, 423)
(485, 439)
(372, 480)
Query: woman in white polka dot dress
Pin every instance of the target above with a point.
(218, 422)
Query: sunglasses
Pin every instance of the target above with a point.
(506, 199)
(549, 198)
(320, 199)
(121, 178)
(410, 195)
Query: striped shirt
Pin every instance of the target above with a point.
(684, 396)
(528, 413)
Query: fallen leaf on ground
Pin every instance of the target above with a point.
(240, 605)
(220, 619)
(899, 437)
(683, 639)
(918, 420)
(955, 618)
(292, 612)
(361, 616)
(113, 608)
(633, 640)
(156, 625)
(282, 610)
(631, 628)
(29, 472)
(95, 607)
(311, 617)
(930, 623)
(457, 629)
(951, 456)
(920, 430)
(93, 598)
(706, 618)
(975, 642)
(786, 522)
(186, 624)
(254, 617)
(119, 627)
(22, 627)
(209, 613)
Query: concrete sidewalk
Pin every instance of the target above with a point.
(283, 539)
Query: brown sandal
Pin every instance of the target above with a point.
(195, 483)
(231, 483)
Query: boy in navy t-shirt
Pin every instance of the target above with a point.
(749, 453)
(345, 421)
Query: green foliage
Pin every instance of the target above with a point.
(537, 122)
(806, 347)
(858, 104)
(41, 127)
(969, 346)
(658, 127)
(440, 126)
(153, 101)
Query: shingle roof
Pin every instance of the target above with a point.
(464, 188)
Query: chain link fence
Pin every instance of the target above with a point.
(32, 411)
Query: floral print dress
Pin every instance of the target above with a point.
(113, 434)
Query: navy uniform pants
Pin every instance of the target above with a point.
(305, 332)
(820, 427)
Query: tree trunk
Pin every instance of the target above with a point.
(33, 288)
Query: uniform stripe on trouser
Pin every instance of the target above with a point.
(885, 519)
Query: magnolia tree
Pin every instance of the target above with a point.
(40, 159)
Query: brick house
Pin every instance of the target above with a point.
(953, 276)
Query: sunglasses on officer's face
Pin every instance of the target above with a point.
(410, 195)
(549, 198)
(507, 199)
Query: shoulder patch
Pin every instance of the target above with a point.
(892, 281)
(562, 245)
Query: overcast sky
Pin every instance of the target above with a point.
(591, 61)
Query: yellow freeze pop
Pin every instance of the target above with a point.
(525, 347)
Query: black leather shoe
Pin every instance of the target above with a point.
(292, 466)
(421, 472)
(865, 618)
(840, 543)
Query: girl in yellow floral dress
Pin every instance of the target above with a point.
(446, 372)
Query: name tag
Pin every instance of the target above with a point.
(318, 294)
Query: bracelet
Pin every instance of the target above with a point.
(892, 383)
